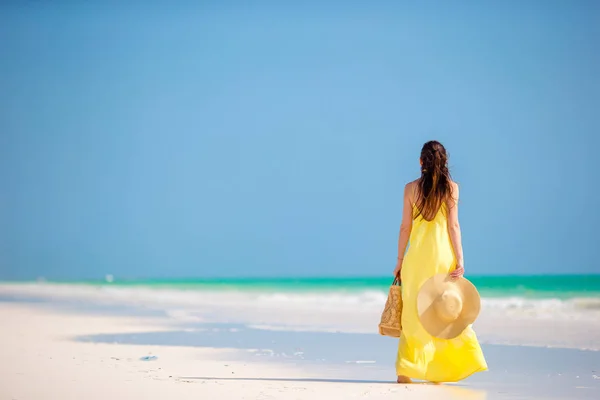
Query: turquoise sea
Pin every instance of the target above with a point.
(529, 287)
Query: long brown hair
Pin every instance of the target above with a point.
(434, 187)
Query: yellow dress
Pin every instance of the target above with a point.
(420, 355)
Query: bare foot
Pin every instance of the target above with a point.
(403, 379)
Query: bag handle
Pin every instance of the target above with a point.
(397, 281)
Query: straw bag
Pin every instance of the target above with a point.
(391, 318)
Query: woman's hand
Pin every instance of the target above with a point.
(398, 268)
(459, 271)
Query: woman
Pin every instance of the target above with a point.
(430, 221)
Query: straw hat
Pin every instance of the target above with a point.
(447, 306)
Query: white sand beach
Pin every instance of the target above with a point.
(45, 363)
(78, 346)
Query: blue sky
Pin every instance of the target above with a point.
(234, 140)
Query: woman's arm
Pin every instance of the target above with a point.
(454, 232)
(405, 227)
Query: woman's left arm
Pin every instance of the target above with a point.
(405, 227)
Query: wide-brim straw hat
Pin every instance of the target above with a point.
(447, 306)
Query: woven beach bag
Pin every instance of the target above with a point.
(391, 318)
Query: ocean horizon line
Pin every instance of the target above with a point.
(116, 278)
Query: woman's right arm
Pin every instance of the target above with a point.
(454, 231)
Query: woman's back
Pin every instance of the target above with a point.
(430, 238)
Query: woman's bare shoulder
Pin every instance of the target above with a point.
(410, 189)
(411, 186)
(454, 190)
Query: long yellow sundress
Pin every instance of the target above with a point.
(420, 355)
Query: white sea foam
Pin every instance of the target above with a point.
(323, 299)
(315, 300)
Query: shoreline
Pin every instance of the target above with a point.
(546, 326)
